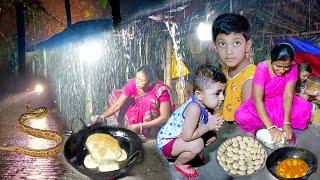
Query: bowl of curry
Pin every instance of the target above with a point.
(291, 163)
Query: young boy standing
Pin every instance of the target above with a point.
(233, 44)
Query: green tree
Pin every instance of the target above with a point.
(104, 3)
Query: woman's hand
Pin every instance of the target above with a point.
(276, 134)
(96, 119)
(316, 92)
(214, 122)
(288, 130)
(135, 128)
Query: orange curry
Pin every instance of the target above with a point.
(292, 168)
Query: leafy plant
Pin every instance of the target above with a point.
(104, 3)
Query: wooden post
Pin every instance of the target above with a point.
(68, 12)
(167, 68)
(115, 11)
(21, 38)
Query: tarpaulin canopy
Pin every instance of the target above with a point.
(306, 51)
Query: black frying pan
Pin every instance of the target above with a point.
(75, 150)
(291, 152)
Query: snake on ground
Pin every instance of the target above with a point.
(34, 114)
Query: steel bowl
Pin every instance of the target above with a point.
(291, 152)
(238, 175)
(75, 150)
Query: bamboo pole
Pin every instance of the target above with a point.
(167, 69)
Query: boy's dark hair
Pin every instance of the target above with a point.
(305, 67)
(231, 23)
(206, 74)
(282, 52)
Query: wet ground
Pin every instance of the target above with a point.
(308, 139)
(13, 97)
(154, 166)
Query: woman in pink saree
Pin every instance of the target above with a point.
(142, 106)
(273, 104)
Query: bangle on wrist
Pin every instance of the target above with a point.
(271, 127)
(140, 125)
(287, 123)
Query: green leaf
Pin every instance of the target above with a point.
(104, 3)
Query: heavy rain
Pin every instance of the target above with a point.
(82, 64)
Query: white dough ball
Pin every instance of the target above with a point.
(243, 168)
(235, 165)
(239, 138)
(250, 171)
(235, 150)
(240, 172)
(233, 171)
(230, 160)
(236, 157)
(241, 162)
(256, 167)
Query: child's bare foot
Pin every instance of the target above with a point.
(211, 140)
(202, 157)
(186, 170)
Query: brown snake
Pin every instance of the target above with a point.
(37, 113)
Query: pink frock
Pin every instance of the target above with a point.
(246, 115)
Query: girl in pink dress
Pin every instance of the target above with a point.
(144, 101)
(273, 104)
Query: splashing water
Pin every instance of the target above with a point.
(181, 83)
(80, 87)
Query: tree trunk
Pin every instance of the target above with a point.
(115, 11)
(21, 38)
(68, 12)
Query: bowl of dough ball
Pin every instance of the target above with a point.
(241, 155)
(103, 152)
